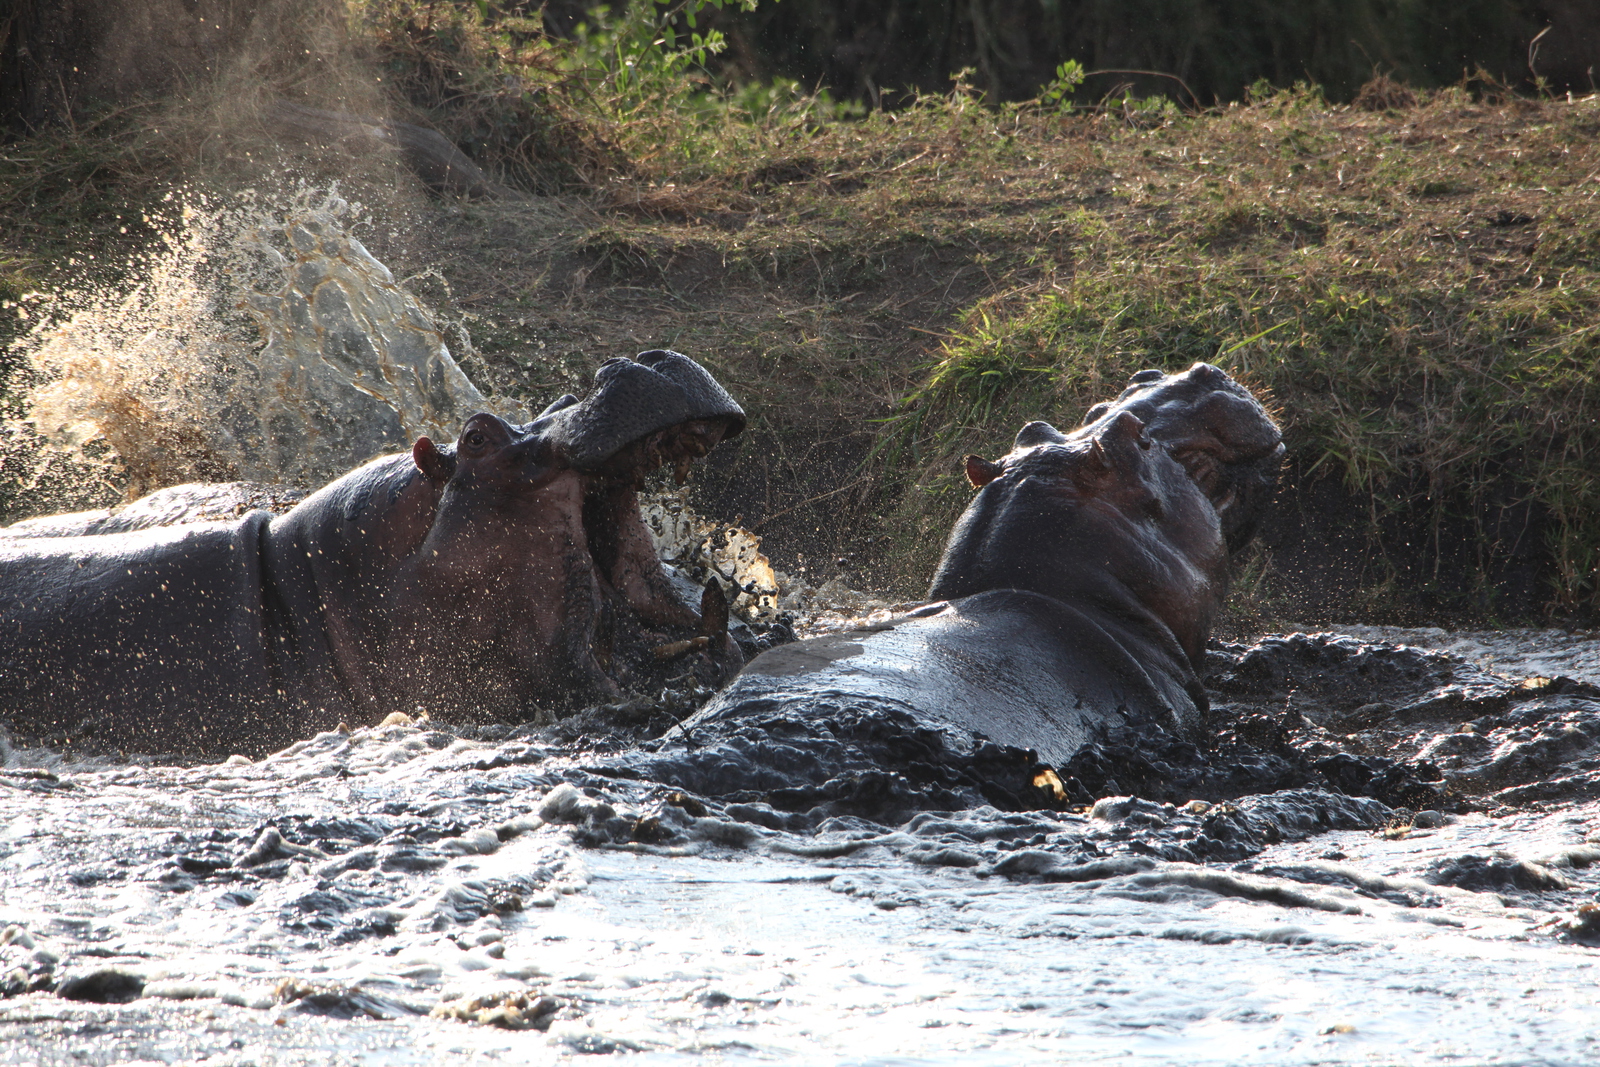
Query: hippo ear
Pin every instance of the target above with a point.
(980, 472)
(1039, 433)
(430, 461)
(1146, 376)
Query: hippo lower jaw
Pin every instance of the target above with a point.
(644, 634)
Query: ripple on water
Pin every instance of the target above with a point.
(408, 893)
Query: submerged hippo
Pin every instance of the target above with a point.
(472, 579)
(1075, 594)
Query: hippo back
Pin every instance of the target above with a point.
(126, 636)
(173, 506)
(1014, 667)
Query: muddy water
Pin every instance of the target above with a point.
(1385, 847)
(410, 895)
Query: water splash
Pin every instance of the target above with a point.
(353, 366)
(699, 548)
(259, 341)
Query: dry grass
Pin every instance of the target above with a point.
(1414, 286)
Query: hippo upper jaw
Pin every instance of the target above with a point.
(1226, 440)
(676, 446)
(633, 400)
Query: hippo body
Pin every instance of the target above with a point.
(1018, 668)
(472, 580)
(1074, 597)
(156, 620)
(1076, 593)
(195, 502)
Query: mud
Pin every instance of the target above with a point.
(845, 885)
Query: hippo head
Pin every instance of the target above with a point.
(1104, 519)
(491, 464)
(1216, 429)
(660, 407)
(537, 541)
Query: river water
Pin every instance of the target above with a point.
(415, 895)
(1388, 851)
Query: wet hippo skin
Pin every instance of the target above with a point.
(470, 580)
(1021, 669)
(1075, 594)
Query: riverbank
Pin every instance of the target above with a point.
(1415, 285)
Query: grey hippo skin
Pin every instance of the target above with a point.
(1220, 433)
(1075, 594)
(471, 580)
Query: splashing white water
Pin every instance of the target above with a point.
(698, 547)
(259, 341)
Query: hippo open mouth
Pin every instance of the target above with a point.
(507, 572)
(542, 522)
(660, 409)
(1216, 429)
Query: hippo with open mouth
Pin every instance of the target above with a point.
(1074, 597)
(473, 580)
(1217, 430)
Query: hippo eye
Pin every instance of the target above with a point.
(476, 440)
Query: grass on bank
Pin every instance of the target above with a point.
(1413, 285)
(1417, 290)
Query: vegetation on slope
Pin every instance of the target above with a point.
(1413, 282)
(1419, 290)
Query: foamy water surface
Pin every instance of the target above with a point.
(409, 896)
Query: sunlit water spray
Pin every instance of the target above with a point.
(259, 341)
(419, 880)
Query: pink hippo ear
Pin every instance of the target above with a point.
(431, 462)
(980, 472)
